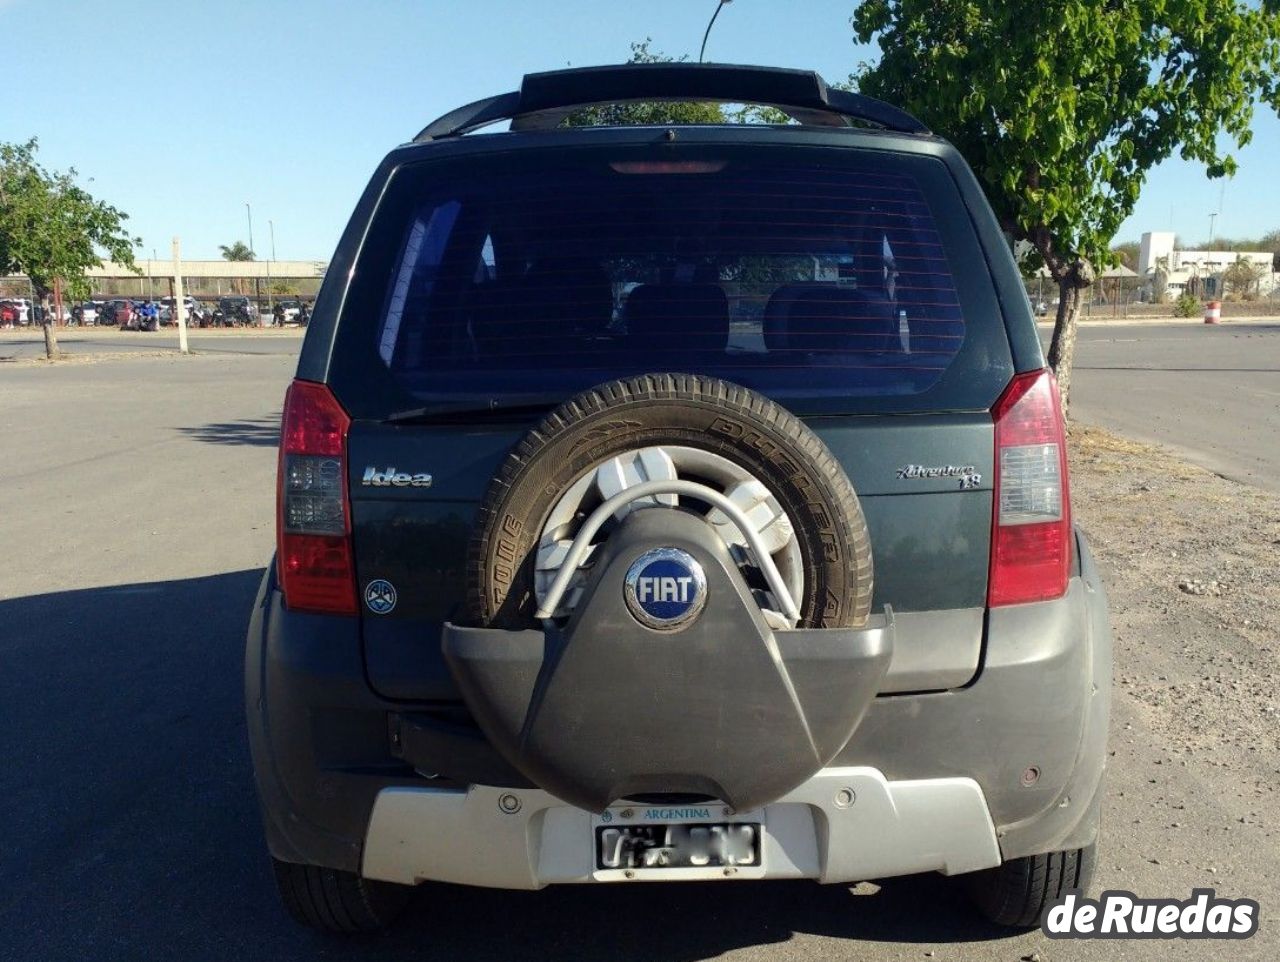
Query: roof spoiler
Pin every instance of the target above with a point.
(544, 100)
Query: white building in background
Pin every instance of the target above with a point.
(1199, 272)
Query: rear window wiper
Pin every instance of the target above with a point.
(515, 406)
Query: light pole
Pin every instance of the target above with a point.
(257, 290)
(1211, 219)
(271, 295)
(702, 52)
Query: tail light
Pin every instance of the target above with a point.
(1031, 539)
(313, 556)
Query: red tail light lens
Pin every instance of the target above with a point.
(313, 556)
(1031, 539)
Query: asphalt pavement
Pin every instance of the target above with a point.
(136, 517)
(1212, 393)
(28, 343)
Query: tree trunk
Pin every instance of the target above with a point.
(1062, 349)
(51, 350)
(50, 340)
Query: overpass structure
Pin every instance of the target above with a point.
(199, 278)
(209, 278)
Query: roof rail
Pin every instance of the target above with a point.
(545, 99)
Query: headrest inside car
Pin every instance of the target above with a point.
(692, 316)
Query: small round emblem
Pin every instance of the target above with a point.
(380, 596)
(665, 589)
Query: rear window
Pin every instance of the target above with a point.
(805, 281)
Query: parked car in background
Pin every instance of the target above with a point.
(291, 307)
(167, 313)
(118, 312)
(85, 313)
(59, 315)
(238, 308)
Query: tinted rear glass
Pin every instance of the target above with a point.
(804, 280)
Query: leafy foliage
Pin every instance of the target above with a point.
(1244, 276)
(1187, 305)
(1063, 106)
(679, 112)
(647, 112)
(1127, 254)
(239, 251)
(1271, 242)
(52, 228)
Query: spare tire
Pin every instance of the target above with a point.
(672, 409)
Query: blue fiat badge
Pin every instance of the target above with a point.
(380, 596)
(665, 589)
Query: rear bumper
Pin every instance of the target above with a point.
(843, 825)
(340, 770)
(1031, 728)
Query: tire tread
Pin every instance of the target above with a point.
(337, 902)
(1019, 892)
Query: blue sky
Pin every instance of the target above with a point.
(182, 112)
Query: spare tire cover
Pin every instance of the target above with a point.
(604, 707)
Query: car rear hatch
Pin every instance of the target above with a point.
(847, 282)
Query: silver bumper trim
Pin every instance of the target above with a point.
(843, 825)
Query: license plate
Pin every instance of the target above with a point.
(678, 845)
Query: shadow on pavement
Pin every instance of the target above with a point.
(132, 827)
(255, 431)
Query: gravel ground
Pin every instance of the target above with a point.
(1192, 566)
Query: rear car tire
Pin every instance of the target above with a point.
(656, 409)
(1020, 892)
(337, 902)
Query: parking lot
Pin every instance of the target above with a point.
(136, 519)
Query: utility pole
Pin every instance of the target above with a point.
(257, 287)
(271, 298)
(179, 302)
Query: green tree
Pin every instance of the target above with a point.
(1063, 106)
(646, 112)
(1234, 244)
(52, 229)
(1127, 254)
(1271, 242)
(239, 251)
(1244, 276)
